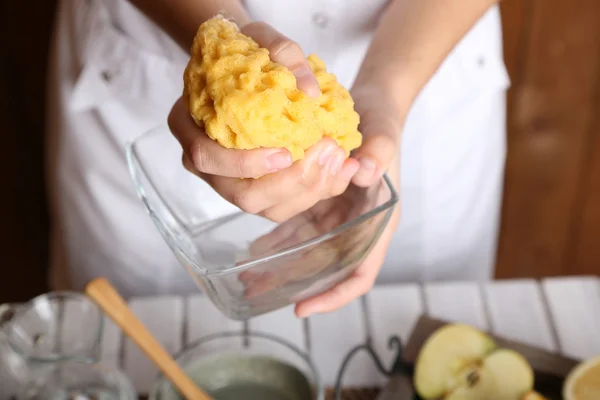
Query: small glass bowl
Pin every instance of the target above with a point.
(257, 364)
(246, 264)
(71, 379)
(52, 327)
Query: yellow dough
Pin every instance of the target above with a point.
(243, 100)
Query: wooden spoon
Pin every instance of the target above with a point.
(113, 305)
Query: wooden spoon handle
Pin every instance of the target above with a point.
(104, 294)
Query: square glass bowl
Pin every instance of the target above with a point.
(246, 264)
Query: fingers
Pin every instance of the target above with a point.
(285, 52)
(341, 294)
(323, 173)
(334, 298)
(357, 285)
(275, 239)
(330, 187)
(209, 157)
(284, 188)
(374, 155)
(381, 130)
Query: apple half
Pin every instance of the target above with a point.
(459, 362)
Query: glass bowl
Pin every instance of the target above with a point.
(253, 365)
(54, 326)
(246, 264)
(71, 379)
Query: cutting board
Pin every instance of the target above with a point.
(550, 368)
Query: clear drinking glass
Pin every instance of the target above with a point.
(259, 365)
(13, 368)
(53, 327)
(70, 379)
(247, 264)
(50, 328)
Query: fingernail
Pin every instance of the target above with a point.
(349, 170)
(335, 163)
(366, 164)
(303, 72)
(366, 171)
(307, 82)
(325, 154)
(279, 160)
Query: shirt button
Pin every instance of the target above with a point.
(107, 76)
(321, 20)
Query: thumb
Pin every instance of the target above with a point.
(375, 155)
(286, 52)
(381, 132)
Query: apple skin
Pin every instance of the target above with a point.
(460, 362)
(446, 353)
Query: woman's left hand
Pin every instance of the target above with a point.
(381, 126)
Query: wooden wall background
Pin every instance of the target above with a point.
(551, 215)
(551, 211)
(24, 36)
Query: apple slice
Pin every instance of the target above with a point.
(446, 354)
(502, 375)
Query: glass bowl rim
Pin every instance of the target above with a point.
(242, 334)
(132, 157)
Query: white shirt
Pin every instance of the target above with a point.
(116, 75)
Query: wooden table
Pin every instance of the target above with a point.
(558, 314)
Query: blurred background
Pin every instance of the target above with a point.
(551, 209)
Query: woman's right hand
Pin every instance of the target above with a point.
(283, 189)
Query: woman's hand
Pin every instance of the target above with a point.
(359, 283)
(284, 189)
(306, 266)
(381, 124)
(381, 120)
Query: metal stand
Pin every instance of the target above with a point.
(399, 366)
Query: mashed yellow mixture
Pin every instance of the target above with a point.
(243, 100)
